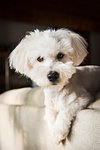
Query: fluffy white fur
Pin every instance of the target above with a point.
(76, 86)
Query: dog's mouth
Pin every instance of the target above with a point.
(55, 83)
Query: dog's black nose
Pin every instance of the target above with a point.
(53, 76)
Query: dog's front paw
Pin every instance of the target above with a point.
(59, 136)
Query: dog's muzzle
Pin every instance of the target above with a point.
(53, 76)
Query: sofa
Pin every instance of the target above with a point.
(23, 127)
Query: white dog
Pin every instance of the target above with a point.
(50, 58)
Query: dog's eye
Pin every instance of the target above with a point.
(40, 59)
(60, 56)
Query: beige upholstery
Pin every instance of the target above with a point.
(22, 124)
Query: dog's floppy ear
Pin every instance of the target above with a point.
(18, 57)
(77, 51)
(79, 46)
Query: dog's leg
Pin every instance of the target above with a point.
(65, 117)
(50, 117)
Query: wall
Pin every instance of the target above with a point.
(13, 31)
(95, 48)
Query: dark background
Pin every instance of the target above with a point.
(18, 17)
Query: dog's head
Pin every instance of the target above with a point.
(49, 57)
